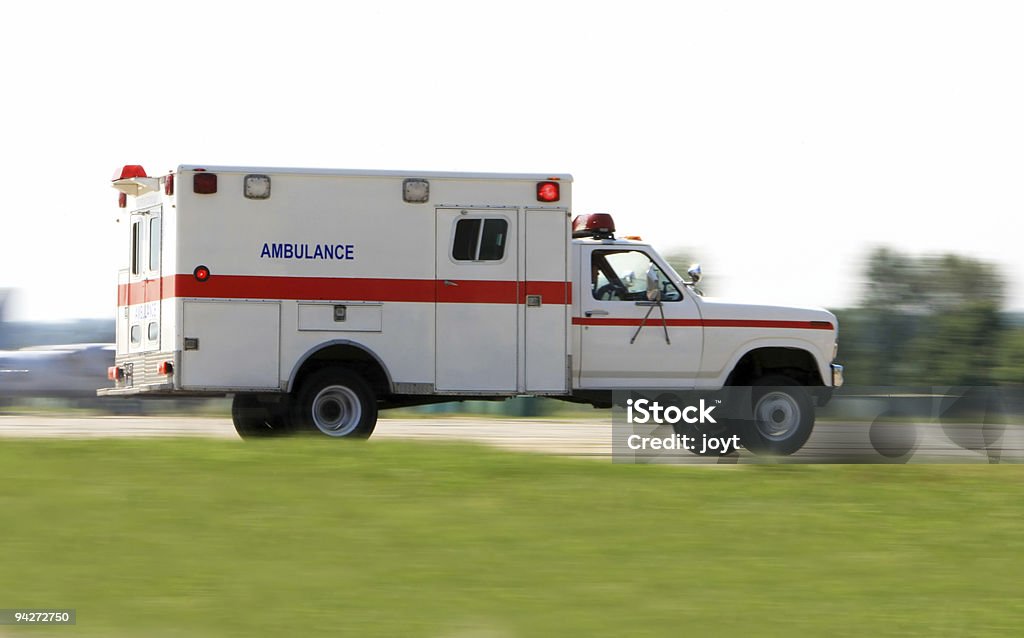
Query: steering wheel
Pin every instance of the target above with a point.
(611, 292)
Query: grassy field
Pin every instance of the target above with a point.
(307, 537)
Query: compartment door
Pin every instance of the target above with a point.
(231, 345)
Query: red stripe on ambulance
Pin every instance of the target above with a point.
(349, 289)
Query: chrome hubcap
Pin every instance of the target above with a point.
(777, 415)
(337, 411)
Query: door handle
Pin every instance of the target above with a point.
(449, 282)
(591, 313)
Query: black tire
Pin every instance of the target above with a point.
(335, 402)
(698, 433)
(255, 419)
(782, 417)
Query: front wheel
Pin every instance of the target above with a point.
(782, 419)
(338, 403)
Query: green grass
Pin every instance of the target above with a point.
(308, 537)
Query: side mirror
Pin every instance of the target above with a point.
(653, 284)
(694, 273)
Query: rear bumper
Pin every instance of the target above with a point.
(154, 390)
(139, 373)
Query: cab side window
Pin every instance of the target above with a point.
(622, 275)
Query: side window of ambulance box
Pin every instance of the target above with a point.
(480, 240)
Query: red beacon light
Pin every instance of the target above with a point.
(132, 180)
(596, 225)
(548, 191)
(129, 171)
(204, 183)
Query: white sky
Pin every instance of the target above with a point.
(778, 141)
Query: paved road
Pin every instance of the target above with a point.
(831, 442)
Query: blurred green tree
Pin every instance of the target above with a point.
(1010, 366)
(898, 282)
(928, 320)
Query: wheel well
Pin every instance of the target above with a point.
(349, 356)
(794, 363)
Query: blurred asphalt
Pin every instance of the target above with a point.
(830, 443)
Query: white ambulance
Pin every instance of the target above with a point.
(318, 297)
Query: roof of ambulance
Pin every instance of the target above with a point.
(565, 177)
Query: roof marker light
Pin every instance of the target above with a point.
(548, 191)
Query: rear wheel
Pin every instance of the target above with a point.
(256, 419)
(336, 402)
(782, 419)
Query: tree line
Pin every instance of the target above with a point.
(930, 320)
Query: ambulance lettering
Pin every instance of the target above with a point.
(306, 251)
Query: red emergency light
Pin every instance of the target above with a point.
(115, 373)
(129, 171)
(165, 368)
(597, 225)
(169, 185)
(201, 273)
(548, 191)
(204, 183)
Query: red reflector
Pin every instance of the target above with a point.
(169, 185)
(128, 171)
(114, 373)
(122, 200)
(165, 367)
(201, 273)
(594, 225)
(547, 191)
(204, 183)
